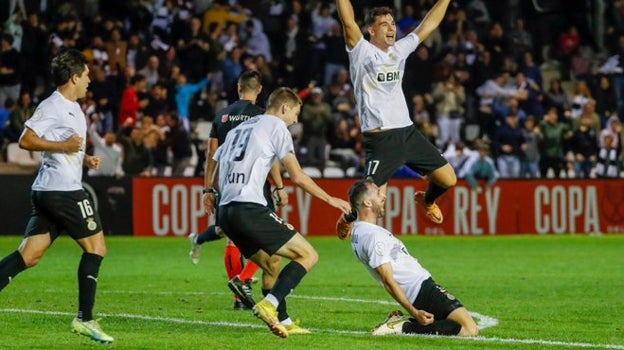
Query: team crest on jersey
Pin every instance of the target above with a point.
(91, 224)
(224, 118)
(37, 115)
(379, 248)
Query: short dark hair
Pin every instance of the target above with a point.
(250, 80)
(375, 12)
(66, 64)
(357, 192)
(283, 95)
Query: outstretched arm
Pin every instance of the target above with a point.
(352, 32)
(432, 19)
(302, 180)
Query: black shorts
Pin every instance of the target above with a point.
(253, 227)
(56, 212)
(266, 190)
(388, 150)
(436, 300)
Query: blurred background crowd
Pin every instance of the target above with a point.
(530, 88)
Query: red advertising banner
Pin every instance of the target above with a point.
(172, 206)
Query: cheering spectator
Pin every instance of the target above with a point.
(131, 104)
(551, 146)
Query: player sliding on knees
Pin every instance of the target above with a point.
(432, 310)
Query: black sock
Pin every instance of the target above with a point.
(433, 192)
(10, 266)
(87, 283)
(440, 327)
(282, 314)
(209, 235)
(287, 280)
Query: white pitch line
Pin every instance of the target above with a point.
(335, 331)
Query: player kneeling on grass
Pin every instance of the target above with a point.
(431, 308)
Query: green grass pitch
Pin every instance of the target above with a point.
(546, 292)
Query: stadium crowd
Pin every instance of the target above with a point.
(531, 94)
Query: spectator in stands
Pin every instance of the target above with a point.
(482, 168)
(221, 13)
(33, 51)
(492, 93)
(151, 71)
(460, 157)
(138, 52)
(558, 98)
(193, 51)
(296, 48)
(496, 44)
(131, 104)
(344, 144)
(510, 145)
(232, 69)
(108, 150)
(585, 148)
(532, 71)
(419, 79)
(336, 58)
(10, 69)
(257, 43)
(5, 117)
(179, 142)
(569, 41)
(159, 146)
(520, 40)
(608, 165)
(551, 146)
(322, 24)
(529, 95)
(137, 158)
(606, 98)
(422, 119)
(117, 50)
(614, 129)
(582, 95)
(158, 101)
(184, 93)
(316, 117)
(24, 109)
(449, 97)
(532, 137)
(104, 92)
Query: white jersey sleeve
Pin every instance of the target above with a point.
(377, 77)
(57, 119)
(246, 157)
(375, 246)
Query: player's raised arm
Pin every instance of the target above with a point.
(432, 19)
(352, 32)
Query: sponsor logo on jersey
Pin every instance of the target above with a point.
(234, 117)
(386, 77)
